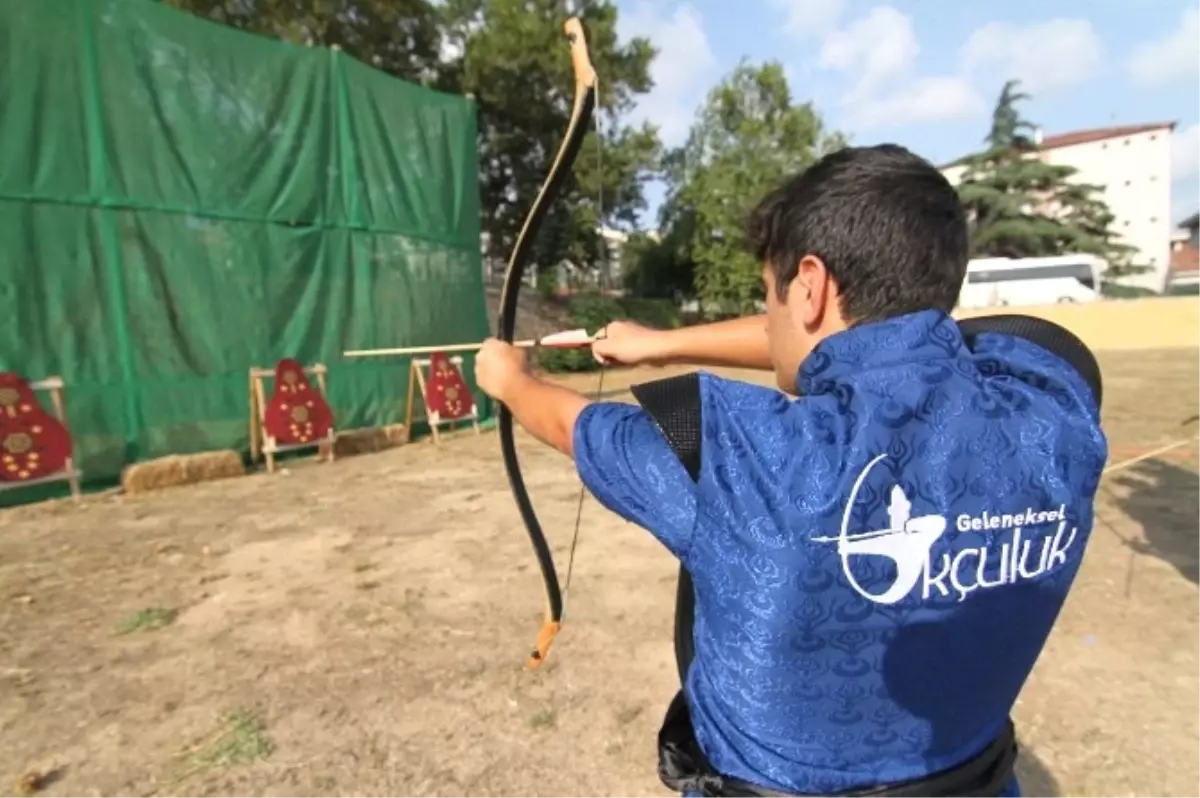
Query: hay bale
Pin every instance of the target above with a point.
(370, 439)
(186, 469)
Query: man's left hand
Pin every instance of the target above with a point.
(498, 367)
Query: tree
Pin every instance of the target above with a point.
(510, 55)
(400, 37)
(1008, 129)
(1022, 207)
(746, 138)
(659, 268)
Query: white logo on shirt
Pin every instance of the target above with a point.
(908, 543)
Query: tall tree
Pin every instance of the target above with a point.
(660, 267)
(1021, 206)
(511, 57)
(400, 37)
(746, 137)
(1009, 130)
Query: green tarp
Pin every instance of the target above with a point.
(180, 201)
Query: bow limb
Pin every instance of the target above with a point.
(581, 114)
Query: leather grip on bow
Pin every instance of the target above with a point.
(581, 114)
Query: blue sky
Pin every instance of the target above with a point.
(926, 73)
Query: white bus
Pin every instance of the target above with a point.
(995, 282)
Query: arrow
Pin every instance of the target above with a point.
(568, 339)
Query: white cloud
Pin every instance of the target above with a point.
(682, 70)
(1185, 153)
(1045, 56)
(930, 99)
(874, 49)
(876, 53)
(804, 18)
(1175, 55)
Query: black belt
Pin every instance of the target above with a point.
(683, 767)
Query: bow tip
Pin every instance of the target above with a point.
(581, 60)
(541, 649)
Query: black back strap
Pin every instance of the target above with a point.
(1049, 336)
(674, 404)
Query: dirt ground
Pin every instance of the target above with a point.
(360, 628)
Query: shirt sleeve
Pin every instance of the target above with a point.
(629, 467)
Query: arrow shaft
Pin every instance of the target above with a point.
(571, 339)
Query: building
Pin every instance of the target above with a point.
(1185, 256)
(615, 241)
(605, 274)
(1133, 164)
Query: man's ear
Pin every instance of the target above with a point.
(809, 291)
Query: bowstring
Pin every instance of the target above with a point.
(604, 268)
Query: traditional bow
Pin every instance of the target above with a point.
(581, 114)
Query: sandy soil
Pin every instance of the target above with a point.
(360, 628)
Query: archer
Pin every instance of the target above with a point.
(870, 570)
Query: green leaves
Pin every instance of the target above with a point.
(515, 63)
(400, 37)
(1020, 206)
(747, 137)
(512, 57)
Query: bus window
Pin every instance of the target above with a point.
(1081, 272)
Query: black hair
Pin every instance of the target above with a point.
(887, 224)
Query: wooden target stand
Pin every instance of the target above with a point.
(298, 414)
(35, 446)
(445, 394)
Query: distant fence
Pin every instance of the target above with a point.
(1130, 324)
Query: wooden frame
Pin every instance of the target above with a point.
(264, 444)
(416, 377)
(55, 387)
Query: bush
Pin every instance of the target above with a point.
(1118, 291)
(592, 311)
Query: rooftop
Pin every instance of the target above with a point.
(1087, 137)
(1185, 259)
(1100, 134)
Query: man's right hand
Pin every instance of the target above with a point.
(627, 343)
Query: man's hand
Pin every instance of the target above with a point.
(547, 411)
(627, 343)
(498, 367)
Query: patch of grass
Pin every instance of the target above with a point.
(147, 620)
(414, 600)
(240, 738)
(627, 716)
(544, 718)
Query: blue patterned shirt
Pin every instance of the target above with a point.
(878, 563)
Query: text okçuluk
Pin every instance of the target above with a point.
(908, 542)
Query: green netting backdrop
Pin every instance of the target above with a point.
(180, 201)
